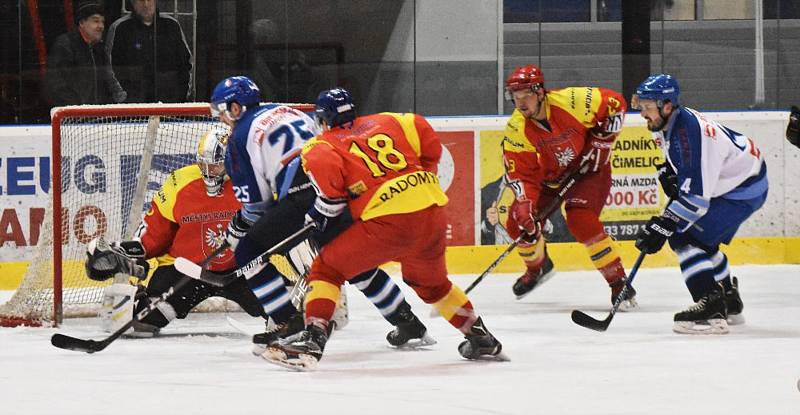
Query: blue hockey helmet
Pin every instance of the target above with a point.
(335, 107)
(660, 88)
(239, 89)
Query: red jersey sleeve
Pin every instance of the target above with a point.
(157, 232)
(430, 146)
(324, 167)
(524, 175)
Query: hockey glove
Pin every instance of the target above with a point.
(668, 179)
(523, 212)
(323, 211)
(793, 129)
(601, 139)
(237, 229)
(104, 261)
(657, 230)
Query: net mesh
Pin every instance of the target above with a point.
(111, 166)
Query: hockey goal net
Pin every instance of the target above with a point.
(107, 163)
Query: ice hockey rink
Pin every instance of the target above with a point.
(203, 365)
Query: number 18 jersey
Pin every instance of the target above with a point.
(382, 164)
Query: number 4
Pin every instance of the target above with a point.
(687, 185)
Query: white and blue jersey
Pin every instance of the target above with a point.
(260, 152)
(711, 161)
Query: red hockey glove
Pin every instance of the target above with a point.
(601, 139)
(523, 212)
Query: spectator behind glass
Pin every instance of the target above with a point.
(149, 55)
(77, 71)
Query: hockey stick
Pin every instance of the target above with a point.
(90, 346)
(549, 210)
(582, 319)
(197, 272)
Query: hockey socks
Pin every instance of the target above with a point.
(382, 292)
(268, 287)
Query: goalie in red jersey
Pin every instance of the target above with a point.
(187, 217)
(550, 135)
(383, 167)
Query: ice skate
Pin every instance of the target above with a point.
(628, 303)
(301, 351)
(734, 304)
(707, 316)
(409, 332)
(275, 332)
(533, 278)
(481, 345)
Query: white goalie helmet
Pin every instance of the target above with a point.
(211, 159)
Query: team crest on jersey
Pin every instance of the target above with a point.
(214, 235)
(565, 157)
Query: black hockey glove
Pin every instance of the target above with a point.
(237, 229)
(323, 211)
(657, 230)
(105, 260)
(793, 129)
(668, 179)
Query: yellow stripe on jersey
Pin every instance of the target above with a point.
(166, 196)
(451, 303)
(582, 103)
(322, 290)
(406, 122)
(514, 139)
(410, 192)
(603, 252)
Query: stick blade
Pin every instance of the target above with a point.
(584, 320)
(188, 268)
(72, 343)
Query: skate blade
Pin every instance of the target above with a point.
(413, 344)
(735, 319)
(629, 305)
(713, 326)
(543, 279)
(500, 357)
(301, 363)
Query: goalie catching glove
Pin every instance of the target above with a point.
(105, 260)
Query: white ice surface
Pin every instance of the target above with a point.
(202, 365)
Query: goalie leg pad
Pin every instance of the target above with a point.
(118, 305)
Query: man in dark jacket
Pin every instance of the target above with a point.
(77, 72)
(149, 55)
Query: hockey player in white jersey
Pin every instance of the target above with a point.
(715, 178)
(263, 162)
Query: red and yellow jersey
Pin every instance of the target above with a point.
(383, 164)
(184, 221)
(536, 152)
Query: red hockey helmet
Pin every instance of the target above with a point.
(524, 77)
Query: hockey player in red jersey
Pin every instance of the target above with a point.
(187, 217)
(383, 167)
(549, 135)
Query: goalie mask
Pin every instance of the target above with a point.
(211, 159)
